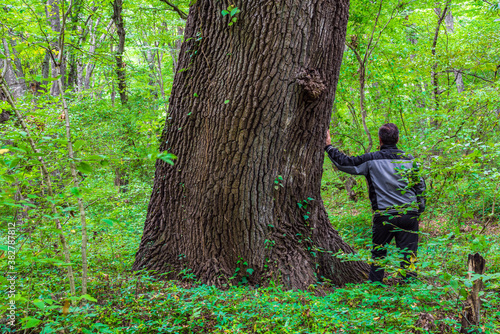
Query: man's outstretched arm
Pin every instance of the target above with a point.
(352, 165)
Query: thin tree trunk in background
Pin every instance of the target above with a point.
(459, 81)
(448, 21)
(45, 68)
(79, 75)
(94, 44)
(450, 27)
(174, 49)
(120, 65)
(76, 184)
(76, 38)
(46, 176)
(52, 14)
(362, 74)
(149, 56)
(362, 84)
(58, 64)
(434, 76)
(72, 74)
(18, 66)
(363, 60)
(121, 175)
(13, 77)
(17, 61)
(113, 92)
(89, 69)
(249, 109)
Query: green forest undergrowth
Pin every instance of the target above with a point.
(432, 68)
(120, 302)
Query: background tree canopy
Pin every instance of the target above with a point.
(85, 101)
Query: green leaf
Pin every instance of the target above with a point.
(40, 304)
(13, 163)
(52, 79)
(94, 157)
(2, 56)
(250, 271)
(8, 178)
(235, 11)
(108, 221)
(76, 192)
(224, 12)
(79, 143)
(167, 157)
(226, 102)
(89, 298)
(84, 167)
(30, 322)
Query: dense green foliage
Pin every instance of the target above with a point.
(412, 78)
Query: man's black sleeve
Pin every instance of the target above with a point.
(419, 189)
(352, 165)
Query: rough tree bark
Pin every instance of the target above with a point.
(249, 109)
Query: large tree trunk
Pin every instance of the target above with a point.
(250, 107)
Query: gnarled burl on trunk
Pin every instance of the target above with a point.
(249, 110)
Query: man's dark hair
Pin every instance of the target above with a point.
(389, 134)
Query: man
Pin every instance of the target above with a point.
(395, 191)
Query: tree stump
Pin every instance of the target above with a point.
(471, 313)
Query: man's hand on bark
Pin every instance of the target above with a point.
(328, 138)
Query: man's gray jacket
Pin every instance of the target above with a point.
(393, 182)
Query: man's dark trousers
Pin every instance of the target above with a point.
(404, 228)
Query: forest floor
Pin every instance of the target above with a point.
(119, 302)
